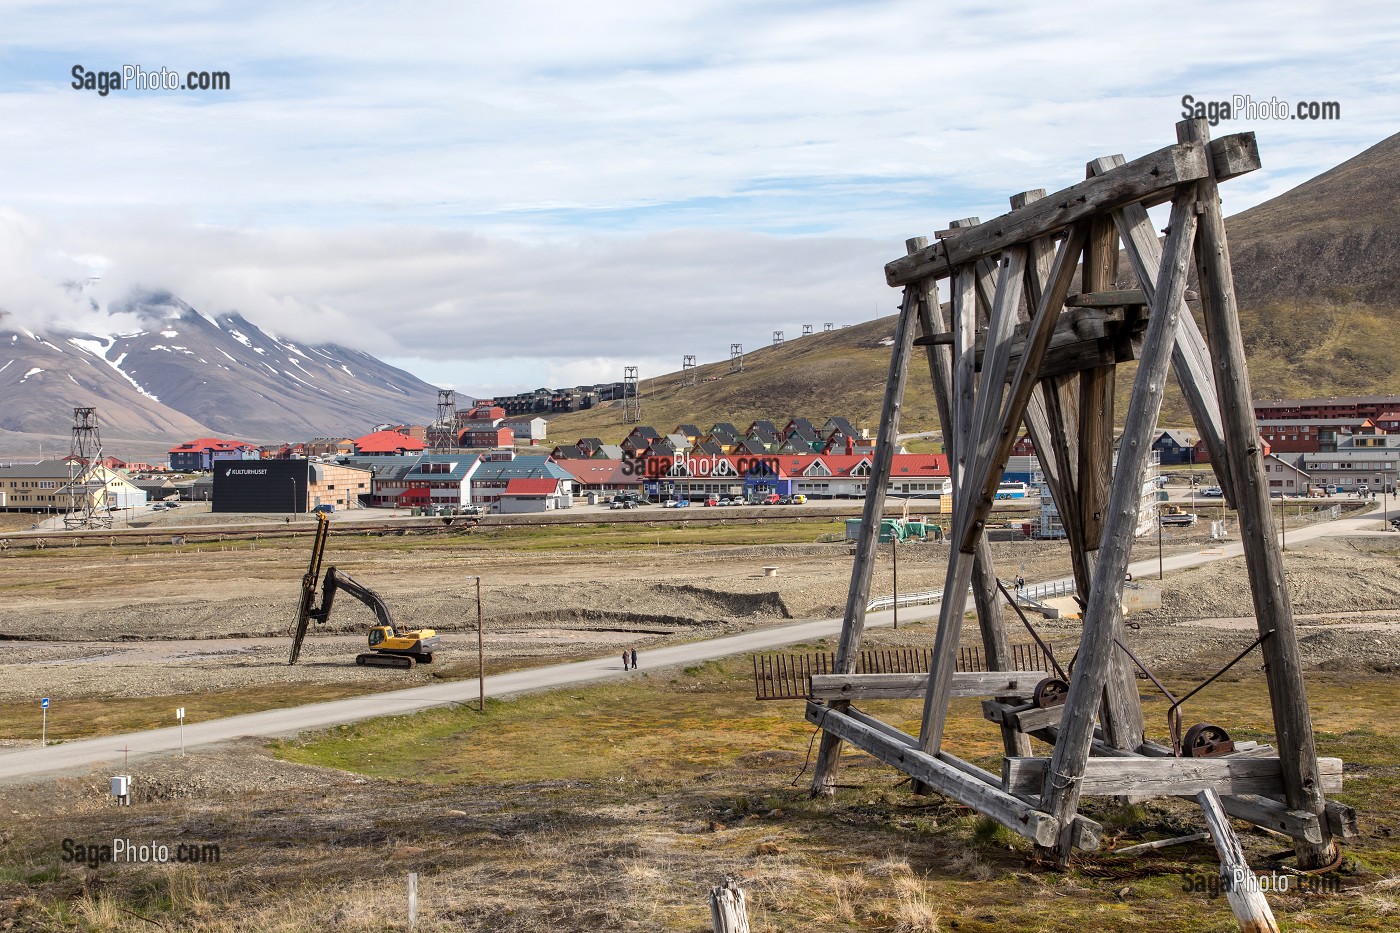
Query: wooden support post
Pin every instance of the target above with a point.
(1097, 647)
(1273, 609)
(976, 485)
(984, 580)
(1241, 887)
(1122, 719)
(853, 626)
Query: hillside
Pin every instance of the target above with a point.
(825, 374)
(1317, 276)
(184, 375)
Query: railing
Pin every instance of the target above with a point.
(927, 598)
(789, 676)
(1040, 592)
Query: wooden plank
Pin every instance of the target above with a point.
(1261, 811)
(1097, 649)
(1024, 718)
(908, 686)
(1110, 298)
(862, 569)
(1016, 815)
(1341, 820)
(1164, 777)
(1273, 610)
(1241, 887)
(1155, 172)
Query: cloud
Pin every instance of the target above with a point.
(566, 185)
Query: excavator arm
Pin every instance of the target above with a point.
(335, 580)
(307, 605)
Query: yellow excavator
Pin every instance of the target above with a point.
(390, 646)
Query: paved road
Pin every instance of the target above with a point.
(87, 754)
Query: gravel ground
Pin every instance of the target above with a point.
(98, 622)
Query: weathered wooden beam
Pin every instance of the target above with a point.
(1341, 820)
(1232, 156)
(1242, 889)
(1024, 718)
(1273, 609)
(1088, 835)
(1097, 647)
(1110, 298)
(1164, 777)
(1133, 182)
(863, 568)
(1190, 356)
(1262, 811)
(1016, 815)
(932, 318)
(909, 686)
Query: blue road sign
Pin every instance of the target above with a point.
(44, 703)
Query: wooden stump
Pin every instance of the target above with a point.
(729, 908)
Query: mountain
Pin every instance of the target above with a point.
(1317, 275)
(185, 375)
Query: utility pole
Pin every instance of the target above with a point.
(894, 550)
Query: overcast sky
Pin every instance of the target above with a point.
(499, 196)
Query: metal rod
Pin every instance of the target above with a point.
(1034, 634)
(1174, 715)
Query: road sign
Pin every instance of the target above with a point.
(44, 703)
(180, 713)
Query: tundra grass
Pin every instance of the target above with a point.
(616, 806)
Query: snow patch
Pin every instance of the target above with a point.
(35, 371)
(97, 348)
(347, 370)
(117, 365)
(6, 366)
(240, 338)
(170, 333)
(225, 353)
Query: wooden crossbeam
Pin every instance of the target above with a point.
(1023, 718)
(1016, 815)
(1247, 901)
(909, 686)
(1148, 180)
(1164, 777)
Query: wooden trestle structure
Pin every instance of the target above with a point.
(1015, 347)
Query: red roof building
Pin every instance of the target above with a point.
(202, 453)
(387, 444)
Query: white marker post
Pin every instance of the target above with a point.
(44, 736)
(180, 715)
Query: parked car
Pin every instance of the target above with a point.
(771, 499)
(711, 500)
(785, 500)
(1212, 492)
(324, 508)
(682, 503)
(727, 501)
(669, 504)
(617, 504)
(799, 499)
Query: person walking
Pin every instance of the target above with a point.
(634, 659)
(624, 660)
